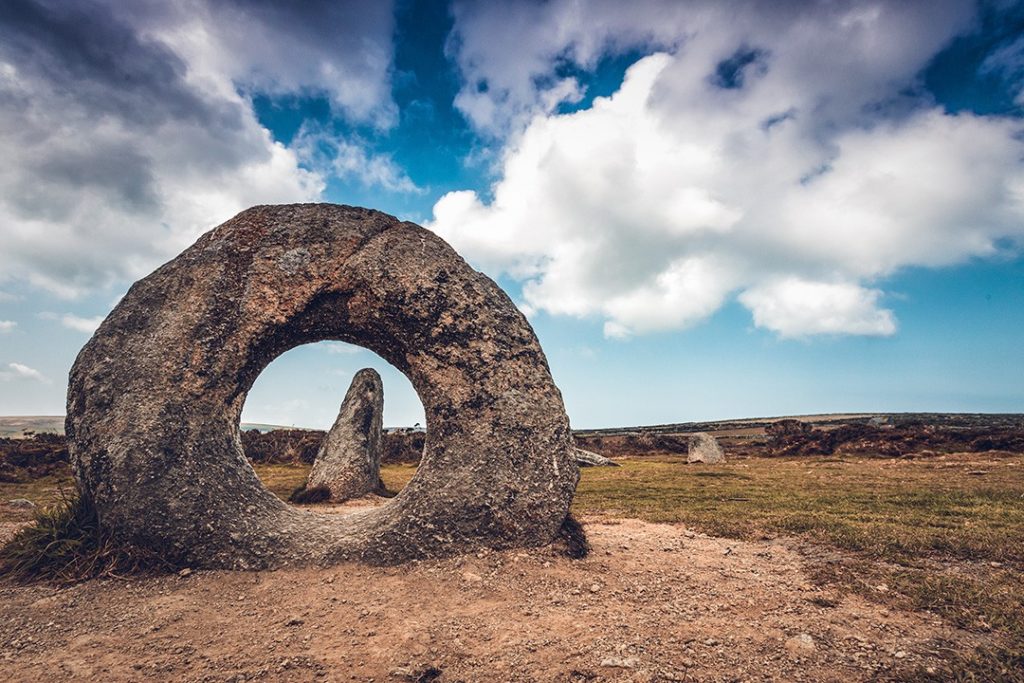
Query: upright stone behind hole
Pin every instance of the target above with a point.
(348, 463)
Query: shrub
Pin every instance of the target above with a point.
(402, 447)
(304, 496)
(33, 457)
(282, 446)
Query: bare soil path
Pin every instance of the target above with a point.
(653, 602)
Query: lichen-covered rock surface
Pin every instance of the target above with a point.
(155, 396)
(348, 462)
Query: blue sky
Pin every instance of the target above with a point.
(706, 210)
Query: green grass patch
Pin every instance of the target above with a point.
(395, 477)
(892, 511)
(283, 480)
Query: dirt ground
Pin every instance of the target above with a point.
(653, 602)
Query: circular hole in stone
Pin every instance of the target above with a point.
(295, 401)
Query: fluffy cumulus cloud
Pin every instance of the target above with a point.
(7, 325)
(127, 130)
(783, 155)
(795, 307)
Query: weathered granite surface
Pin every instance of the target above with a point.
(155, 396)
(348, 462)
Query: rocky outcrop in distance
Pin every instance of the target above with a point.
(704, 448)
(591, 459)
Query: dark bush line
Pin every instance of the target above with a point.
(288, 446)
(795, 437)
(792, 437)
(282, 446)
(403, 448)
(635, 443)
(31, 458)
(40, 455)
(47, 454)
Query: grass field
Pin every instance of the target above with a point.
(944, 534)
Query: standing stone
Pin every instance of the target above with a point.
(704, 448)
(348, 462)
(155, 397)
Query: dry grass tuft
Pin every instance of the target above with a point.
(66, 544)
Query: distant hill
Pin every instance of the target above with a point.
(14, 427)
(961, 420)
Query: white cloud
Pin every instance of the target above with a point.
(125, 135)
(1007, 63)
(16, 371)
(79, 324)
(511, 54)
(795, 189)
(341, 348)
(796, 308)
(340, 49)
(585, 351)
(507, 54)
(7, 325)
(330, 154)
